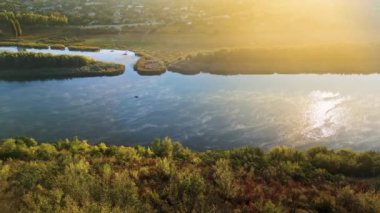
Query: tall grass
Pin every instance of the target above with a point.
(84, 48)
(40, 60)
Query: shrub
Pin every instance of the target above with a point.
(248, 157)
(75, 176)
(224, 179)
(163, 148)
(187, 192)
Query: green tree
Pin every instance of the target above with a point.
(15, 20)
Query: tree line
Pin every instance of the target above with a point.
(15, 20)
(74, 176)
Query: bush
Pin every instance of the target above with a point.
(17, 148)
(75, 176)
(163, 148)
(248, 157)
(224, 179)
(187, 192)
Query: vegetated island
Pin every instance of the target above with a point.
(74, 176)
(148, 65)
(306, 60)
(39, 66)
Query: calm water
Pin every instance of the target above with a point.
(202, 111)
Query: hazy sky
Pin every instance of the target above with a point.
(303, 21)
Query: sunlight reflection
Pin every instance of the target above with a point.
(325, 114)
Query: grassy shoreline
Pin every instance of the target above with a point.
(22, 66)
(195, 53)
(73, 175)
(148, 65)
(84, 48)
(55, 46)
(306, 60)
(95, 69)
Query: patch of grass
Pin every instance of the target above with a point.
(57, 47)
(84, 48)
(33, 45)
(22, 66)
(24, 45)
(95, 69)
(41, 60)
(148, 65)
(8, 44)
(329, 59)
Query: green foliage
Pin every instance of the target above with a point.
(346, 162)
(46, 151)
(248, 157)
(187, 192)
(31, 18)
(269, 207)
(74, 176)
(16, 19)
(27, 66)
(224, 179)
(40, 60)
(283, 154)
(323, 59)
(20, 148)
(84, 48)
(126, 153)
(164, 169)
(28, 45)
(57, 47)
(360, 204)
(163, 148)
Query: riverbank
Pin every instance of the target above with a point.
(194, 53)
(307, 60)
(54, 46)
(73, 175)
(39, 66)
(166, 45)
(146, 64)
(95, 69)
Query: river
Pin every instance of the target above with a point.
(202, 111)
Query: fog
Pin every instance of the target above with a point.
(300, 22)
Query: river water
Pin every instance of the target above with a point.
(202, 111)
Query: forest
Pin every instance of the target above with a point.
(75, 176)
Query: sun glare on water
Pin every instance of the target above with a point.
(325, 115)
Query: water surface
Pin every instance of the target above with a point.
(202, 111)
